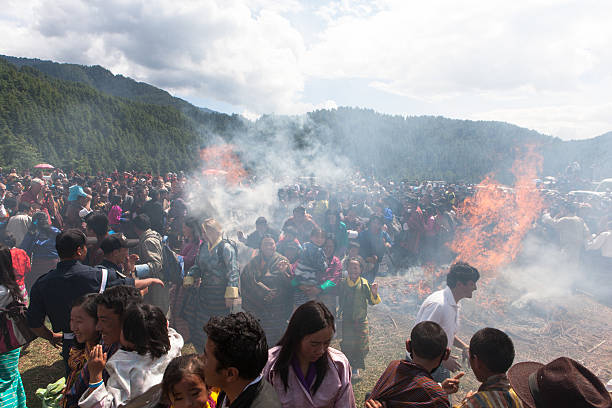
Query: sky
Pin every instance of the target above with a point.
(540, 64)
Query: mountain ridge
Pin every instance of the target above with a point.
(437, 147)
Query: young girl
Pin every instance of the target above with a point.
(184, 384)
(83, 320)
(147, 347)
(354, 295)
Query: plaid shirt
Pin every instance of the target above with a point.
(495, 392)
(405, 384)
(81, 384)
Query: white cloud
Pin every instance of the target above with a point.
(539, 63)
(221, 49)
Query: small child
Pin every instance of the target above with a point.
(310, 266)
(491, 355)
(354, 295)
(353, 252)
(147, 347)
(184, 384)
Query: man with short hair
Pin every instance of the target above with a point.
(491, 355)
(302, 222)
(442, 307)
(262, 229)
(408, 383)
(53, 294)
(96, 226)
(236, 352)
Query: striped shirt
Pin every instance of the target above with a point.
(405, 384)
(495, 392)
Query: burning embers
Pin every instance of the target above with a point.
(496, 218)
(221, 162)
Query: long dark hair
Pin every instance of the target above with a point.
(88, 303)
(146, 327)
(307, 319)
(7, 273)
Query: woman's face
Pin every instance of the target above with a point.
(83, 325)
(268, 247)
(314, 345)
(190, 392)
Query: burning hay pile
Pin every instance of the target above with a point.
(495, 221)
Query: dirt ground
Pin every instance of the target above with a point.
(574, 325)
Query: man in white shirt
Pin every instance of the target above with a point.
(442, 307)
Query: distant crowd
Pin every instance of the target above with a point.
(126, 273)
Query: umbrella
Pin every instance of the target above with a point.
(44, 166)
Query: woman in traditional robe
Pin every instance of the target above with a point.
(265, 285)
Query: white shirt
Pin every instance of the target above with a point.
(602, 242)
(440, 307)
(131, 375)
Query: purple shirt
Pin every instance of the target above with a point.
(335, 390)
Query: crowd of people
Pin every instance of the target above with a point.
(126, 274)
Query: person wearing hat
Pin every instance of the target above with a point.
(253, 240)
(76, 208)
(562, 383)
(216, 266)
(117, 259)
(31, 196)
(53, 294)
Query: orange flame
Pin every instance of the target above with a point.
(221, 160)
(496, 218)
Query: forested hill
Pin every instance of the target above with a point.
(76, 126)
(89, 119)
(104, 80)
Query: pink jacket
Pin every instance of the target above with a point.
(336, 390)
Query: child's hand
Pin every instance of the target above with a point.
(96, 363)
(451, 385)
(374, 288)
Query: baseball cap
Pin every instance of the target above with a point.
(116, 241)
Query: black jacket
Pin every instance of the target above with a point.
(258, 395)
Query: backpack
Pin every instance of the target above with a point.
(173, 265)
(220, 250)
